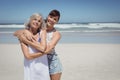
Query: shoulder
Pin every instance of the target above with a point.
(57, 33)
(42, 31)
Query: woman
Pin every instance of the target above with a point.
(53, 36)
(35, 67)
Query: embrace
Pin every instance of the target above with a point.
(38, 41)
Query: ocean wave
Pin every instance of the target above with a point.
(89, 25)
(12, 26)
(7, 32)
(92, 31)
(69, 31)
(71, 25)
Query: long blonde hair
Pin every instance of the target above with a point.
(42, 26)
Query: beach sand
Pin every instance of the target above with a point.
(80, 61)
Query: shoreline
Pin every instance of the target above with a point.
(74, 37)
(83, 61)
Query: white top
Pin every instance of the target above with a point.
(49, 38)
(36, 69)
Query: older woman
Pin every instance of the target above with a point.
(35, 67)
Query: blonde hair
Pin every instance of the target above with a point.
(42, 26)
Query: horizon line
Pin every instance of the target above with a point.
(58, 22)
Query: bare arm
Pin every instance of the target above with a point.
(54, 41)
(24, 32)
(18, 32)
(27, 54)
(39, 46)
(52, 44)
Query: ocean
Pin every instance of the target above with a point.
(72, 32)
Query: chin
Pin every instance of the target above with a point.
(48, 24)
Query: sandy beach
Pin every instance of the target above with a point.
(80, 61)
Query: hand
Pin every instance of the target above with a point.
(28, 35)
(48, 50)
(34, 40)
(21, 38)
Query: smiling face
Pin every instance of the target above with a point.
(35, 22)
(52, 20)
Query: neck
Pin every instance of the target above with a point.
(49, 29)
(34, 32)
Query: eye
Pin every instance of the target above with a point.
(51, 16)
(39, 20)
(55, 19)
(34, 19)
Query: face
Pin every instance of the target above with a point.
(36, 22)
(52, 20)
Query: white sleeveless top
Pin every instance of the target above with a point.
(49, 38)
(36, 69)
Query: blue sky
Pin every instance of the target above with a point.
(18, 11)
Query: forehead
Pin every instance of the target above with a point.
(36, 17)
(56, 17)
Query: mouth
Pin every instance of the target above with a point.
(35, 24)
(50, 22)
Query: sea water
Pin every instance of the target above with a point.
(72, 32)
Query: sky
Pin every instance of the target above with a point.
(18, 11)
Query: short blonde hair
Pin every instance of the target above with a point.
(42, 26)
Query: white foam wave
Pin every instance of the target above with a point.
(73, 25)
(6, 32)
(12, 26)
(93, 31)
(69, 31)
(89, 25)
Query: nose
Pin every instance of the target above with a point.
(37, 22)
(52, 20)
